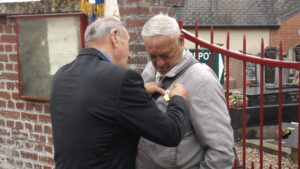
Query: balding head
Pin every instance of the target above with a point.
(101, 28)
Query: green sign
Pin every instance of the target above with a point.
(204, 57)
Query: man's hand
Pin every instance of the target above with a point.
(152, 87)
(179, 90)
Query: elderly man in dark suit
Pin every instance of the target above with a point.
(100, 108)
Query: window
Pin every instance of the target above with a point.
(45, 43)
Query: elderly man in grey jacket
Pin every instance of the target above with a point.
(208, 142)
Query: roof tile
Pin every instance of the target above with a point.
(235, 12)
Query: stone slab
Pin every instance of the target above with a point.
(269, 147)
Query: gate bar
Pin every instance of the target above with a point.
(280, 110)
(227, 71)
(261, 108)
(244, 105)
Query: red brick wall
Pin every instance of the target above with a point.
(288, 33)
(25, 126)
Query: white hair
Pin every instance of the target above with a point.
(161, 24)
(101, 28)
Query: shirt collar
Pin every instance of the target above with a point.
(106, 55)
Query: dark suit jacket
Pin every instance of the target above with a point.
(99, 110)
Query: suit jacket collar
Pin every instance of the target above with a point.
(92, 52)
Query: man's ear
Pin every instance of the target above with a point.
(114, 37)
(181, 40)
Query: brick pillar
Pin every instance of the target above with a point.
(134, 13)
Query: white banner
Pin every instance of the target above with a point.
(60, 31)
(7, 1)
(111, 8)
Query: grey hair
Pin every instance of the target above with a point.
(161, 24)
(101, 28)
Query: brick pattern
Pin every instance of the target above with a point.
(288, 33)
(25, 126)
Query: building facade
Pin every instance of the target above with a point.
(270, 20)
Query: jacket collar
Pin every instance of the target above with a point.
(92, 52)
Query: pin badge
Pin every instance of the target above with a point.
(166, 96)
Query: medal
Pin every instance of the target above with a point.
(166, 96)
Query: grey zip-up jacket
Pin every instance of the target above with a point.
(208, 142)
